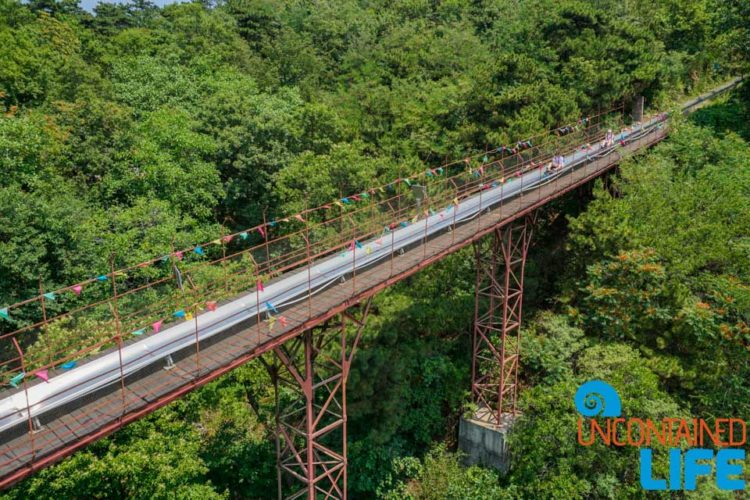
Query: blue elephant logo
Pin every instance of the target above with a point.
(598, 399)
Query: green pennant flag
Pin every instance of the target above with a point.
(4, 313)
(17, 379)
(50, 296)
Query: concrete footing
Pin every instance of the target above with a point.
(485, 443)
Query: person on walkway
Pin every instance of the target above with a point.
(558, 162)
(609, 139)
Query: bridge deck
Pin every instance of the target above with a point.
(77, 424)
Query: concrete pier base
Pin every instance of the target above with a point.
(485, 443)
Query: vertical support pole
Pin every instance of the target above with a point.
(116, 313)
(311, 425)
(26, 394)
(46, 326)
(497, 321)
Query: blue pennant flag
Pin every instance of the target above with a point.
(270, 307)
(103, 277)
(199, 250)
(179, 314)
(69, 365)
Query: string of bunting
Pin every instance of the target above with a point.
(342, 203)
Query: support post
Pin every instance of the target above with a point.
(311, 415)
(497, 320)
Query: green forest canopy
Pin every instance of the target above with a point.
(123, 128)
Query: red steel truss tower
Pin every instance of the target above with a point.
(497, 319)
(310, 378)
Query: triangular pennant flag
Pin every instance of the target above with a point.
(260, 230)
(404, 224)
(179, 314)
(282, 320)
(216, 242)
(285, 219)
(326, 206)
(346, 201)
(429, 173)
(271, 307)
(455, 201)
(271, 322)
(368, 250)
(356, 197)
(379, 241)
(138, 333)
(188, 315)
(4, 313)
(365, 195)
(50, 296)
(351, 247)
(260, 286)
(227, 238)
(485, 159)
(165, 258)
(440, 170)
(243, 235)
(415, 219)
(157, 326)
(101, 278)
(17, 379)
(338, 204)
(178, 255)
(42, 374)
(69, 365)
(211, 305)
(358, 244)
(199, 250)
(272, 223)
(77, 289)
(408, 182)
(299, 218)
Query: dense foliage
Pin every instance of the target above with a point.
(134, 125)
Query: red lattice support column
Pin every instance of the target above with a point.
(497, 320)
(310, 378)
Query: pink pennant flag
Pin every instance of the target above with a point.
(379, 241)
(260, 230)
(351, 247)
(178, 255)
(43, 374)
(227, 238)
(157, 326)
(299, 218)
(327, 207)
(211, 305)
(77, 289)
(282, 320)
(260, 286)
